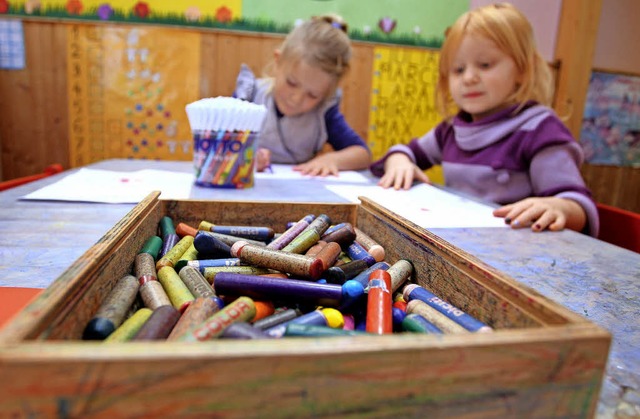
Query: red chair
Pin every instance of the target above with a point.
(48, 171)
(619, 227)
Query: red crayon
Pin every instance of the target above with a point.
(379, 313)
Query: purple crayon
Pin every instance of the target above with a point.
(269, 288)
(416, 292)
(291, 233)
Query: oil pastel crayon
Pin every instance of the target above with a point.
(295, 264)
(400, 273)
(441, 321)
(263, 234)
(264, 308)
(397, 316)
(169, 236)
(176, 252)
(320, 224)
(200, 264)
(285, 238)
(363, 277)
(190, 254)
(130, 327)
(370, 245)
(184, 229)
(415, 323)
(344, 234)
(277, 318)
(328, 254)
(324, 317)
(153, 245)
(309, 330)
(211, 272)
(206, 244)
(159, 325)
(342, 273)
(400, 305)
(241, 310)
(113, 309)
(356, 251)
(379, 312)
(178, 292)
(197, 312)
(349, 322)
(196, 282)
(315, 249)
(243, 330)
(230, 240)
(268, 288)
(151, 290)
(416, 292)
(302, 242)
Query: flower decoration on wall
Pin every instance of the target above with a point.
(387, 25)
(192, 14)
(4, 6)
(223, 14)
(74, 7)
(141, 10)
(32, 6)
(105, 11)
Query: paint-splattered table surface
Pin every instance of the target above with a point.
(40, 239)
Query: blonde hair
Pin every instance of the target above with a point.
(510, 30)
(320, 42)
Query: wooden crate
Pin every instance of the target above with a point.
(542, 361)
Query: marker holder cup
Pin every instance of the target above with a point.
(224, 159)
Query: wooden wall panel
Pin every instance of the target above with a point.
(613, 185)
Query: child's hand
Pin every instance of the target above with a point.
(399, 172)
(321, 165)
(543, 213)
(263, 159)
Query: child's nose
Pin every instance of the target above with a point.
(469, 75)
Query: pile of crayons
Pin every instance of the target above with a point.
(246, 282)
(224, 139)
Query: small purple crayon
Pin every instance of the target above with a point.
(357, 251)
(291, 233)
(270, 288)
(207, 244)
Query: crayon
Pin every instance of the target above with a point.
(152, 246)
(302, 242)
(200, 264)
(211, 273)
(356, 251)
(363, 277)
(379, 312)
(190, 254)
(197, 312)
(349, 322)
(344, 234)
(196, 282)
(130, 327)
(113, 309)
(370, 245)
(441, 321)
(230, 240)
(264, 309)
(415, 291)
(415, 323)
(342, 273)
(315, 249)
(173, 255)
(324, 317)
(158, 326)
(286, 237)
(397, 316)
(263, 234)
(152, 293)
(309, 330)
(299, 265)
(183, 229)
(400, 273)
(243, 330)
(267, 288)
(169, 236)
(241, 310)
(328, 254)
(277, 318)
(207, 244)
(178, 292)
(320, 224)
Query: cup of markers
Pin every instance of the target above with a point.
(224, 141)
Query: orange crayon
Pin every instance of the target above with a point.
(379, 312)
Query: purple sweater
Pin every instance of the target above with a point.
(505, 158)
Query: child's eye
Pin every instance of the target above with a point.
(457, 70)
(291, 83)
(484, 65)
(312, 96)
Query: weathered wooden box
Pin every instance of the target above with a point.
(542, 361)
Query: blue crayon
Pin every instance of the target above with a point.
(416, 323)
(355, 251)
(168, 242)
(263, 234)
(416, 292)
(324, 317)
(213, 263)
(352, 292)
(206, 243)
(271, 288)
(397, 315)
(363, 277)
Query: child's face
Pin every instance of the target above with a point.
(299, 87)
(482, 77)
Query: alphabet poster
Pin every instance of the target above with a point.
(127, 93)
(402, 98)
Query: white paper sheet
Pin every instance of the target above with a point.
(91, 185)
(285, 171)
(425, 205)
